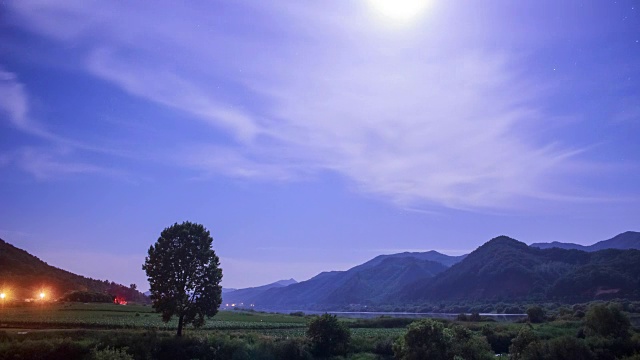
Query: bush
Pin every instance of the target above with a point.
(607, 321)
(430, 339)
(383, 347)
(111, 354)
(523, 345)
(535, 314)
(498, 340)
(328, 336)
(87, 296)
(570, 348)
(43, 350)
(291, 349)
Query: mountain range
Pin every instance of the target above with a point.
(624, 241)
(230, 297)
(503, 269)
(368, 283)
(24, 276)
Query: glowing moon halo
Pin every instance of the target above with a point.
(400, 10)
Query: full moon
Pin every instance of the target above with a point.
(400, 10)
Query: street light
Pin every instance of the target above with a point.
(42, 296)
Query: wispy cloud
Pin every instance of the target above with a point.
(49, 163)
(408, 118)
(168, 88)
(14, 103)
(52, 161)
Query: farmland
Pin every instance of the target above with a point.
(88, 327)
(111, 316)
(89, 331)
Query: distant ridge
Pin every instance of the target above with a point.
(286, 282)
(24, 275)
(624, 241)
(501, 270)
(366, 284)
(504, 269)
(245, 296)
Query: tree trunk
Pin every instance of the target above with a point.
(180, 321)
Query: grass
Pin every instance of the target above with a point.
(81, 321)
(111, 316)
(98, 317)
(80, 329)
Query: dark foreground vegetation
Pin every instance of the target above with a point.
(107, 331)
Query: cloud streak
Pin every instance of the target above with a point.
(46, 162)
(403, 117)
(15, 104)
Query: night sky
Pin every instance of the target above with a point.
(314, 135)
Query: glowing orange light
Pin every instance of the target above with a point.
(120, 300)
(2, 296)
(41, 295)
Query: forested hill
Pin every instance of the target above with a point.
(505, 269)
(624, 241)
(368, 284)
(24, 275)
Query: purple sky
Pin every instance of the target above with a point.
(312, 136)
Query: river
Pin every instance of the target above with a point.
(375, 314)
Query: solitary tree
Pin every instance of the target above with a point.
(184, 275)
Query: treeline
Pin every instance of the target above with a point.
(506, 308)
(87, 297)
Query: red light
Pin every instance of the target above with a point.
(120, 300)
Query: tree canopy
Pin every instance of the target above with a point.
(184, 275)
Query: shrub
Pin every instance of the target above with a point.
(524, 344)
(498, 340)
(430, 339)
(383, 347)
(291, 349)
(111, 354)
(43, 350)
(607, 321)
(328, 336)
(567, 347)
(535, 314)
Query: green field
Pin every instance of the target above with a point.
(34, 329)
(112, 316)
(82, 331)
